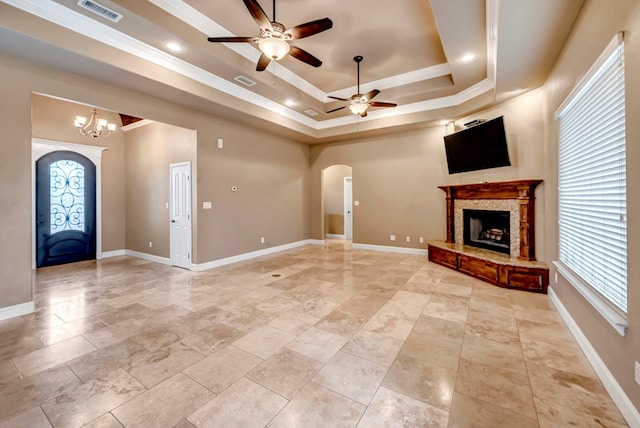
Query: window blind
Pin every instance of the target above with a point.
(592, 179)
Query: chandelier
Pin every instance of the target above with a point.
(94, 127)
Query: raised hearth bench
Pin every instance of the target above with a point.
(519, 269)
(498, 269)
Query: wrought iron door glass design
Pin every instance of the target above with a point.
(67, 210)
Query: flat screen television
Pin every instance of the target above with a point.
(482, 146)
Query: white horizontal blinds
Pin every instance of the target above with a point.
(592, 181)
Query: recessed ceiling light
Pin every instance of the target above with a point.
(468, 57)
(289, 102)
(173, 46)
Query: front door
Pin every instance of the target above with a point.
(65, 209)
(181, 214)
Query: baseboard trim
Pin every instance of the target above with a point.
(17, 310)
(115, 253)
(253, 254)
(149, 257)
(389, 249)
(626, 407)
(334, 236)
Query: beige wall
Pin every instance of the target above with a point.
(395, 177)
(271, 175)
(15, 189)
(596, 26)
(271, 172)
(149, 151)
(52, 119)
(333, 197)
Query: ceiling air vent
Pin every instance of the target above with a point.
(101, 10)
(244, 80)
(311, 112)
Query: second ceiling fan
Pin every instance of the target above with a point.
(275, 39)
(360, 103)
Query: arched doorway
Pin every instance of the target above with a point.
(64, 230)
(337, 202)
(65, 208)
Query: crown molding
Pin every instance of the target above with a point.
(417, 107)
(211, 28)
(395, 81)
(493, 19)
(135, 125)
(67, 18)
(74, 21)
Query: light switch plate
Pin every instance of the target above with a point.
(356, 203)
(206, 205)
(392, 237)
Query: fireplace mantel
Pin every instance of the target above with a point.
(518, 270)
(521, 190)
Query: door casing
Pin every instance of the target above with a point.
(348, 208)
(178, 259)
(41, 147)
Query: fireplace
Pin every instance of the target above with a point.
(487, 229)
(500, 218)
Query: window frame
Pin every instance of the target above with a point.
(613, 314)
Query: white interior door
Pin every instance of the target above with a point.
(348, 208)
(181, 214)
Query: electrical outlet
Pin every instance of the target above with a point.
(637, 372)
(150, 244)
(392, 237)
(408, 239)
(421, 240)
(556, 277)
(220, 142)
(262, 240)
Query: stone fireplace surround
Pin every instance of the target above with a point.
(517, 270)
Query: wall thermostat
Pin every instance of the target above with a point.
(234, 188)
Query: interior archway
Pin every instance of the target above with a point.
(335, 215)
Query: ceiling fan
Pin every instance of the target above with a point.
(275, 40)
(360, 103)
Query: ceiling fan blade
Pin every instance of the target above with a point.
(336, 109)
(371, 94)
(310, 28)
(337, 98)
(263, 62)
(258, 14)
(304, 56)
(233, 39)
(381, 104)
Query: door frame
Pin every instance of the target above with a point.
(41, 147)
(348, 201)
(190, 205)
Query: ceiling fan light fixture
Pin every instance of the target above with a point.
(358, 108)
(274, 47)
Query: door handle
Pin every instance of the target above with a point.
(173, 221)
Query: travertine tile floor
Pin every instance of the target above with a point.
(321, 336)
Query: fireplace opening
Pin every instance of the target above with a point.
(487, 229)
